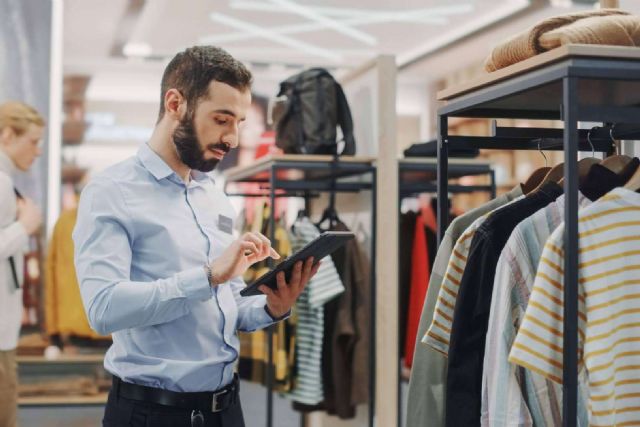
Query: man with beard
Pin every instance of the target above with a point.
(158, 266)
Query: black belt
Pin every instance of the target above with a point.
(207, 401)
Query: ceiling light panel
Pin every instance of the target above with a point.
(434, 16)
(320, 18)
(257, 31)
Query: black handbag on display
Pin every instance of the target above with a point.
(307, 112)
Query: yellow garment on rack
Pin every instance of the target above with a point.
(64, 312)
(254, 345)
(603, 27)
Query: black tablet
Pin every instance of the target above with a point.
(318, 248)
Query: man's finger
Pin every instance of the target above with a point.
(296, 274)
(252, 237)
(315, 268)
(306, 272)
(274, 254)
(267, 291)
(248, 246)
(281, 281)
(265, 244)
(269, 251)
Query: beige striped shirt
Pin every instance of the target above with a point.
(609, 309)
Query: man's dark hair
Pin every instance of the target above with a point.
(192, 70)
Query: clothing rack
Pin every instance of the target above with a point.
(571, 83)
(417, 175)
(306, 176)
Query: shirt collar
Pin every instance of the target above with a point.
(6, 164)
(198, 176)
(552, 190)
(159, 168)
(153, 162)
(583, 201)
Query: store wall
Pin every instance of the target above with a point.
(25, 34)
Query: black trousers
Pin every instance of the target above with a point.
(121, 412)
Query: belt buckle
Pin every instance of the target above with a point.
(215, 404)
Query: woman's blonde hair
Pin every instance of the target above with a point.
(18, 116)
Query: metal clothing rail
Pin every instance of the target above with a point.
(306, 176)
(572, 89)
(417, 175)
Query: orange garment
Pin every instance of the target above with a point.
(64, 312)
(420, 273)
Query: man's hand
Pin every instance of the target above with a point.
(29, 215)
(240, 255)
(280, 301)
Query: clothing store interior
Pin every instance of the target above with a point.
(477, 159)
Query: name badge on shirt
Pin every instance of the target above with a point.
(225, 224)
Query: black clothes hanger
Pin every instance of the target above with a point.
(330, 213)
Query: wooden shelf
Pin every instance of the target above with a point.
(63, 359)
(539, 61)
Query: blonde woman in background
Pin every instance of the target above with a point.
(21, 130)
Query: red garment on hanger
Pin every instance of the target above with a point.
(420, 273)
(429, 217)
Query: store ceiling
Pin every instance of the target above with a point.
(274, 36)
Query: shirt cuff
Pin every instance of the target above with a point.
(276, 319)
(194, 284)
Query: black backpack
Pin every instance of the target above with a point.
(309, 107)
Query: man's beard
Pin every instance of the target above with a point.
(189, 150)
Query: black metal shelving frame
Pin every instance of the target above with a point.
(573, 89)
(318, 176)
(417, 175)
(411, 183)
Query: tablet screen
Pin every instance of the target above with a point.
(318, 248)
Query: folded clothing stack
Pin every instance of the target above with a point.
(603, 27)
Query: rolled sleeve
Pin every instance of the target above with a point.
(252, 313)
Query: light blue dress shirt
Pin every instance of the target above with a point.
(142, 239)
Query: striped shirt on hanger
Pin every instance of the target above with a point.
(512, 395)
(325, 285)
(439, 332)
(427, 386)
(609, 317)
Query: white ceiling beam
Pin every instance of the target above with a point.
(423, 16)
(274, 36)
(323, 20)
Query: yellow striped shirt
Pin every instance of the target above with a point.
(438, 334)
(609, 309)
